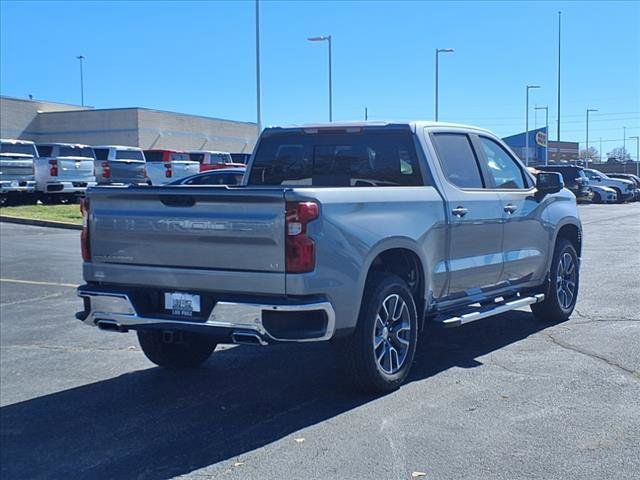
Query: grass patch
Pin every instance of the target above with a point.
(57, 213)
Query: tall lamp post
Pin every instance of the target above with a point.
(637, 139)
(438, 52)
(624, 139)
(258, 109)
(526, 135)
(326, 38)
(586, 157)
(81, 58)
(546, 141)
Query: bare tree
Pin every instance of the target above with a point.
(592, 154)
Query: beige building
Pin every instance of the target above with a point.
(141, 127)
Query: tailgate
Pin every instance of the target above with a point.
(184, 168)
(127, 171)
(189, 227)
(75, 168)
(16, 168)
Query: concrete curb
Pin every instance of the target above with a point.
(40, 223)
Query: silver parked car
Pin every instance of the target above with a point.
(119, 164)
(603, 194)
(16, 168)
(64, 170)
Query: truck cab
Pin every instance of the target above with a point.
(213, 160)
(164, 166)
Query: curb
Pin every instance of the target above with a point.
(40, 223)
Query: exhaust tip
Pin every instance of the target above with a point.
(247, 338)
(111, 326)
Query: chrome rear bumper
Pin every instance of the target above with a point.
(118, 312)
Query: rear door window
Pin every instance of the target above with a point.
(196, 157)
(337, 159)
(504, 171)
(153, 156)
(458, 160)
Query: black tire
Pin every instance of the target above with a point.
(596, 198)
(620, 199)
(4, 200)
(558, 305)
(358, 353)
(185, 350)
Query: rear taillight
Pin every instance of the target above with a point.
(106, 170)
(300, 249)
(168, 172)
(85, 246)
(53, 168)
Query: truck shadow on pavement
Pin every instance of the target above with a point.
(153, 424)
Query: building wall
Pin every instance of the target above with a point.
(159, 129)
(18, 116)
(54, 122)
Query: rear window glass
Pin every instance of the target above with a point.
(75, 152)
(129, 155)
(101, 153)
(153, 156)
(21, 148)
(44, 150)
(179, 157)
(327, 159)
(221, 158)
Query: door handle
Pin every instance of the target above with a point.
(459, 211)
(510, 208)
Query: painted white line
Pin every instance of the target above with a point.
(32, 282)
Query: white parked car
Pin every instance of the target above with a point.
(119, 164)
(64, 169)
(16, 168)
(624, 188)
(212, 159)
(164, 166)
(603, 194)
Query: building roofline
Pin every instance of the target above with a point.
(36, 100)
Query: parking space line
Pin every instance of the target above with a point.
(33, 282)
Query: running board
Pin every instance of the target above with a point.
(496, 309)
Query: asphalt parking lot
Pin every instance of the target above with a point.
(506, 398)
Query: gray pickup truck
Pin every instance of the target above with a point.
(356, 233)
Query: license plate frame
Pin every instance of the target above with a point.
(182, 304)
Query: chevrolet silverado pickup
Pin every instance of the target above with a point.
(356, 233)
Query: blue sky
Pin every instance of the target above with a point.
(199, 58)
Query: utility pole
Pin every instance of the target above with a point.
(546, 141)
(366, 114)
(438, 52)
(559, 36)
(637, 139)
(327, 38)
(526, 135)
(81, 58)
(586, 158)
(258, 112)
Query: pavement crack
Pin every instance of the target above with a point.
(598, 318)
(64, 348)
(31, 300)
(595, 356)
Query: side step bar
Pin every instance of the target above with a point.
(485, 312)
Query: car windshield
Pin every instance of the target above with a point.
(19, 148)
(129, 155)
(76, 152)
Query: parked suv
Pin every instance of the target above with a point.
(358, 233)
(118, 164)
(64, 170)
(628, 177)
(16, 168)
(574, 179)
(164, 166)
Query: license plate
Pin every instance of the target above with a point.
(182, 304)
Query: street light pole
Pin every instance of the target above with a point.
(546, 141)
(438, 52)
(624, 139)
(81, 58)
(526, 135)
(586, 157)
(637, 139)
(559, 37)
(328, 39)
(258, 109)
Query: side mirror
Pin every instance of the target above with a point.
(549, 182)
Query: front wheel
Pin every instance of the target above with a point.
(377, 357)
(175, 350)
(562, 290)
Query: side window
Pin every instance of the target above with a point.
(505, 171)
(458, 160)
(101, 153)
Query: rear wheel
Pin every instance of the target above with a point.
(175, 350)
(377, 357)
(562, 290)
(596, 198)
(620, 199)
